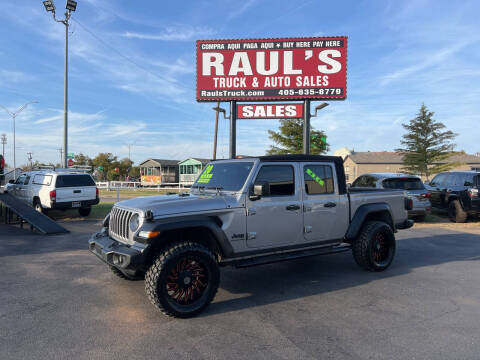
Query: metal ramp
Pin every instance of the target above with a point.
(25, 213)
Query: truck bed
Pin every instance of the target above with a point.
(394, 198)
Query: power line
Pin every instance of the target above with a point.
(127, 58)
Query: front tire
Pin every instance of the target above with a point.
(85, 211)
(374, 249)
(456, 212)
(183, 280)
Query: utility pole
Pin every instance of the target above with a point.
(129, 146)
(71, 6)
(4, 142)
(30, 159)
(14, 115)
(60, 150)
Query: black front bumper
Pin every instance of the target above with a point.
(68, 204)
(117, 254)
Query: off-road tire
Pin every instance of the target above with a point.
(456, 212)
(158, 275)
(85, 211)
(37, 205)
(365, 246)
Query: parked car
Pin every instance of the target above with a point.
(457, 192)
(246, 212)
(55, 189)
(411, 184)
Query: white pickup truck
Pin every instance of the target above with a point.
(55, 189)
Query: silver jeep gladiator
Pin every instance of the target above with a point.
(246, 212)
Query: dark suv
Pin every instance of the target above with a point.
(457, 191)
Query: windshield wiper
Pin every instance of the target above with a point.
(215, 187)
(198, 187)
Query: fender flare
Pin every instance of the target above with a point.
(361, 214)
(208, 222)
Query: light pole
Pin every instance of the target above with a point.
(70, 6)
(218, 110)
(306, 124)
(14, 115)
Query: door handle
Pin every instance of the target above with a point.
(329, 205)
(293, 207)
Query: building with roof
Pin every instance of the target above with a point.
(158, 171)
(358, 163)
(190, 168)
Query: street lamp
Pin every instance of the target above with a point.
(70, 7)
(14, 115)
(218, 110)
(306, 124)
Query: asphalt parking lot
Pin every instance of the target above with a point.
(57, 302)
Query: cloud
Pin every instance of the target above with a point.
(10, 76)
(179, 33)
(239, 10)
(430, 59)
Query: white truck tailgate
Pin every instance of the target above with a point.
(76, 194)
(75, 187)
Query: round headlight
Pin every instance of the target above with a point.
(134, 222)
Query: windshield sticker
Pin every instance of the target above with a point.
(206, 175)
(315, 177)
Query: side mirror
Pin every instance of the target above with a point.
(11, 181)
(260, 188)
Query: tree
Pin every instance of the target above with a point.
(107, 163)
(81, 159)
(290, 139)
(426, 144)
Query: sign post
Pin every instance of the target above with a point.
(233, 129)
(306, 127)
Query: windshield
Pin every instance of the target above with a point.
(224, 176)
(403, 184)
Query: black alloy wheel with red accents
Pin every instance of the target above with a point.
(183, 280)
(374, 249)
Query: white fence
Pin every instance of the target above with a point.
(130, 185)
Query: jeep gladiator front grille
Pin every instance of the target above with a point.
(118, 224)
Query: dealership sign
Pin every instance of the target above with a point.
(269, 111)
(272, 69)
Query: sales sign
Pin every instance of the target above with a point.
(272, 69)
(269, 111)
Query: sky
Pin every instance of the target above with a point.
(132, 73)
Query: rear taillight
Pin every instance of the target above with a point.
(53, 195)
(473, 193)
(427, 195)
(96, 190)
(408, 204)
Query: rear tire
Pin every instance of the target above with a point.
(37, 205)
(183, 280)
(374, 249)
(85, 211)
(456, 212)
